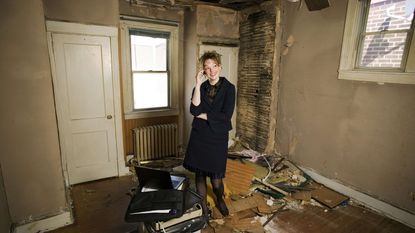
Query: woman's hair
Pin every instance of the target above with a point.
(210, 55)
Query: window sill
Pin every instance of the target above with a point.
(378, 76)
(151, 113)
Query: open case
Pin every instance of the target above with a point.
(163, 208)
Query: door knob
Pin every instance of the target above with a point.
(109, 117)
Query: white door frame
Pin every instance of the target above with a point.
(234, 50)
(112, 33)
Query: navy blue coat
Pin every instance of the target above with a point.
(208, 143)
(220, 111)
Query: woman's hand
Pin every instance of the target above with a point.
(200, 77)
(196, 93)
(203, 116)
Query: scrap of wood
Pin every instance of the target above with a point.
(327, 196)
(302, 195)
(242, 204)
(271, 186)
(247, 224)
(245, 214)
(221, 228)
(238, 176)
(263, 208)
(277, 207)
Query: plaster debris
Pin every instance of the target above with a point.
(280, 185)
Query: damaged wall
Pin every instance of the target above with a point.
(359, 133)
(151, 11)
(217, 22)
(30, 156)
(257, 76)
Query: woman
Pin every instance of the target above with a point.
(212, 105)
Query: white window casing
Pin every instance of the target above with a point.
(173, 68)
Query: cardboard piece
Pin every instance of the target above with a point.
(245, 214)
(242, 204)
(327, 196)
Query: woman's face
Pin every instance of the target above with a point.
(212, 69)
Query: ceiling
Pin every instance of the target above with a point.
(233, 4)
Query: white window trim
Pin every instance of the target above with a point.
(347, 68)
(173, 55)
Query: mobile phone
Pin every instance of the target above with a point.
(204, 77)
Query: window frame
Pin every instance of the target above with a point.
(356, 16)
(172, 69)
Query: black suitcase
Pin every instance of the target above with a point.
(191, 221)
(160, 205)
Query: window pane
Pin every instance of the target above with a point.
(150, 90)
(389, 15)
(148, 53)
(383, 50)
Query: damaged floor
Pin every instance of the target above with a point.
(99, 207)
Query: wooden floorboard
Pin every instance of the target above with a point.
(343, 219)
(99, 207)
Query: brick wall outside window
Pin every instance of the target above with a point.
(385, 50)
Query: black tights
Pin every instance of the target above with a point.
(218, 189)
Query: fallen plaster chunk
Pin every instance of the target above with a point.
(294, 205)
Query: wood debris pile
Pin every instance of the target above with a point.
(261, 186)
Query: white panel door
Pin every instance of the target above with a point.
(85, 106)
(229, 70)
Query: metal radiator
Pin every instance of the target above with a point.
(155, 141)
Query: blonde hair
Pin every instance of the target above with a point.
(210, 55)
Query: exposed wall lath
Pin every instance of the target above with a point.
(257, 44)
(155, 141)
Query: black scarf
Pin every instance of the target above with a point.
(212, 90)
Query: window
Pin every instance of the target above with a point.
(150, 69)
(378, 43)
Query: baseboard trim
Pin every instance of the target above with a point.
(364, 199)
(46, 224)
(124, 171)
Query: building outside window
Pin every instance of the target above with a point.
(378, 43)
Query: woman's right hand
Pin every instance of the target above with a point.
(200, 78)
